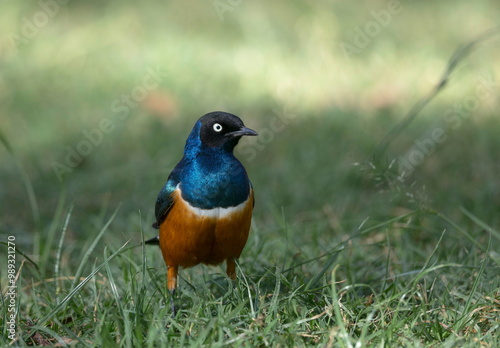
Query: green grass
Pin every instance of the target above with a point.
(343, 251)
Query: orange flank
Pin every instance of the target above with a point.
(190, 236)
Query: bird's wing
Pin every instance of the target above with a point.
(251, 192)
(164, 201)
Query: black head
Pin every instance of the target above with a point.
(221, 129)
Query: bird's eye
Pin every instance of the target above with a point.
(217, 127)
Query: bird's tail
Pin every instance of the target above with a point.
(153, 241)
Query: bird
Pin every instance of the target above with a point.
(204, 210)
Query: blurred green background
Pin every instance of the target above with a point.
(342, 75)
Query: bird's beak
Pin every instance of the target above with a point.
(241, 132)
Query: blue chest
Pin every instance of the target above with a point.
(213, 179)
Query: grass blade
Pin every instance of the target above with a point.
(480, 223)
(77, 288)
(86, 256)
(46, 247)
(59, 250)
(460, 54)
(460, 323)
(26, 181)
(344, 340)
(116, 295)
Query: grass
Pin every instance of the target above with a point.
(385, 294)
(344, 251)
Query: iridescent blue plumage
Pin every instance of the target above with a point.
(209, 175)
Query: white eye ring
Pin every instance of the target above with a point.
(217, 127)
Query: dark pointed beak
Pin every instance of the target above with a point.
(241, 132)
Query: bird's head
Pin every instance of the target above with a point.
(221, 130)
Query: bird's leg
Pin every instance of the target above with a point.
(231, 268)
(172, 303)
(172, 278)
(172, 285)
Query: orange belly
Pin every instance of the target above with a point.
(187, 238)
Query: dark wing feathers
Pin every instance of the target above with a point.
(163, 205)
(164, 202)
(153, 241)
